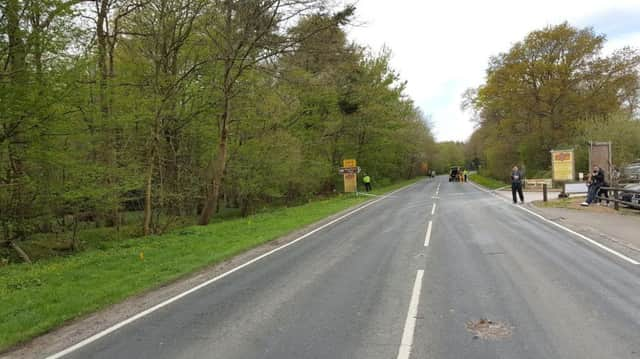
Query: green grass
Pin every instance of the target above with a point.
(573, 202)
(487, 182)
(39, 297)
(44, 246)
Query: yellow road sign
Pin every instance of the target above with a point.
(562, 165)
(349, 163)
(349, 171)
(350, 182)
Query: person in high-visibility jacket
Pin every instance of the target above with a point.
(466, 175)
(367, 182)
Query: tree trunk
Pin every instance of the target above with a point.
(103, 68)
(147, 201)
(220, 162)
(74, 236)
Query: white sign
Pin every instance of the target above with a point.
(580, 187)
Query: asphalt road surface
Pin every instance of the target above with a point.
(483, 280)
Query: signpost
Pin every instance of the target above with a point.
(562, 165)
(344, 170)
(350, 171)
(600, 155)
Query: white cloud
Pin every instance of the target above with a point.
(442, 48)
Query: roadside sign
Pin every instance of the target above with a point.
(350, 182)
(344, 170)
(349, 163)
(562, 165)
(349, 172)
(600, 155)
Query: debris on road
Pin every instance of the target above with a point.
(488, 329)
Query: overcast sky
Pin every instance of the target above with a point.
(442, 47)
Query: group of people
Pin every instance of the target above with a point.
(464, 176)
(458, 175)
(596, 182)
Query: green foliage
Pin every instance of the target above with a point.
(620, 129)
(96, 124)
(551, 89)
(487, 182)
(449, 154)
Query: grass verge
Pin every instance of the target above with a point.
(569, 203)
(37, 298)
(573, 203)
(487, 182)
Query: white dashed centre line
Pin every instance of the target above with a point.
(410, 322)
(427, 238)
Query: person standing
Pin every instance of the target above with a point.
(367, 182)
(466, 175)
(516, 184)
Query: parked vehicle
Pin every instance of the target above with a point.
(631, 173)
(454, 174)
(631, 197)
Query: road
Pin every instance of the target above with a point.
(381, 284)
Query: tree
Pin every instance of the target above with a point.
(114, 107)
(245, 34)
(34, 39)
(543, 86)
(160, 58)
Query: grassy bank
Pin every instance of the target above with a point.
(487, 182)
(39, 297)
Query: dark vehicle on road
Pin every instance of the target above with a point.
(454, 174)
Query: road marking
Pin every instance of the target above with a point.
(433, 209)
(427, 238)
(579, 235)
(131, 319)
(410, 323)
(595, 243)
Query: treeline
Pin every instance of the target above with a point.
(448, 154)
(182, 108)
(555, 89)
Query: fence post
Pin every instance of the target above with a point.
(615, 196)
(544, 192)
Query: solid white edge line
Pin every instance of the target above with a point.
(427, 238)
(129, 320)
(410, 323)
(595, 243)
(433, 209)
(579, 235)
